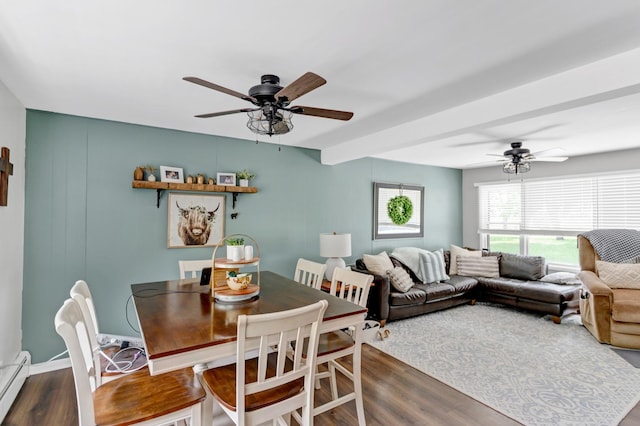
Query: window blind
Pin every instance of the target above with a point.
(560, 206)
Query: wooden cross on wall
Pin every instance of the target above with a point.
(6, 170)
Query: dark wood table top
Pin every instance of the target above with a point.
(179, 316)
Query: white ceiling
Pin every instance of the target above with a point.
(436, 82)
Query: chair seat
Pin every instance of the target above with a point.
(221, 382)
(133, 397)
(334, 341)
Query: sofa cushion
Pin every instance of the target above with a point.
(473, 266)
(619, 275)
(533, 290)
(377, 263)
(522, 267)
(437, 291)
(400, 279)
(413, 296)
(568, 278)
(462, 284)
(459, 251)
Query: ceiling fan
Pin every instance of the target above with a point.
(518, 159)
(272, 113)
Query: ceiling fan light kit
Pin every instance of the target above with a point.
(272, 115)
(517, 160)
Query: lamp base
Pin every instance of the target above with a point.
(333, 263)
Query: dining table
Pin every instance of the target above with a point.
(183, 326)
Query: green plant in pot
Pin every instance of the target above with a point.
(244, 176)
(235, 249)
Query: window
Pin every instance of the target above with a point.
(544, 216)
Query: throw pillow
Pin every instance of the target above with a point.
(377, 263)
(472, 266)
(619, 275)
(561, 278)
(522, 267)
(433, 266)
(633, 260)
(459, 251)
(400, 279)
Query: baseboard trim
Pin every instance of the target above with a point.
(12, 378)
(45, 367)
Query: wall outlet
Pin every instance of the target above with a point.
(114, 339)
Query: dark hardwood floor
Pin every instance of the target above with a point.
(394, 394)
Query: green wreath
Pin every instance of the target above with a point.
(400, 209)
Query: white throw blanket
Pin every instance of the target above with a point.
(413, 258)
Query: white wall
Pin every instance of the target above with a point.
(608, 162)
(12, 136)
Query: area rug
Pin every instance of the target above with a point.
(521, 364)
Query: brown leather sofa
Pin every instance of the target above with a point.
(612, 315)
(387, 304)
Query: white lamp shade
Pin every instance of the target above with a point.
(335, 245)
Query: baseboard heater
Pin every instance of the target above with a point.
(12, 377)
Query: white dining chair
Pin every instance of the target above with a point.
(194, 267)
(104, 355)
(354, 287)
(136, 398)
(309, 273)
(273, 385)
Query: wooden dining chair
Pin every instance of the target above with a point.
(309, 273)
(102, 353)
(136, 398)
(194, 267)
(354, 287)
(272, 385)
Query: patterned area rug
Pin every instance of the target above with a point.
(521, 364)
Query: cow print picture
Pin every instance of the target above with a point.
(195, 220)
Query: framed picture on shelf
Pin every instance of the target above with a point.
(226, 179)
(195, 220)
(171, 174)
(398, 211)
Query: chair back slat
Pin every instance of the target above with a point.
(309, 273)
(350, 285)
(193, 267)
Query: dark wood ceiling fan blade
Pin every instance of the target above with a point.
(321, 112)
(304, 84)
(233, 111)
(219, 88)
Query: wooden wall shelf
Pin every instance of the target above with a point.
(192, 187)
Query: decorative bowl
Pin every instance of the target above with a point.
(239, 282)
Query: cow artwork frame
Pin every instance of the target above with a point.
(195, 220)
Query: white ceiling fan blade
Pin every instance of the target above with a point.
(553, 152)
(550, 159)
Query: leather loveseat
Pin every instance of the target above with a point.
(518, 285)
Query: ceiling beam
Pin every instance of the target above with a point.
(606, 79)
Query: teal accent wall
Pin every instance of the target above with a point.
(84, 221)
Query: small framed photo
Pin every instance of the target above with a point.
(171, 174)
(227, 179)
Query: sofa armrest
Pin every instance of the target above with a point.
(378, 295)
(594, 284)
(595, 306)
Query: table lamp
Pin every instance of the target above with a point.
(334, 247)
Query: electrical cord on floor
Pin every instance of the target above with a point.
(57, 356)
(127, 365)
